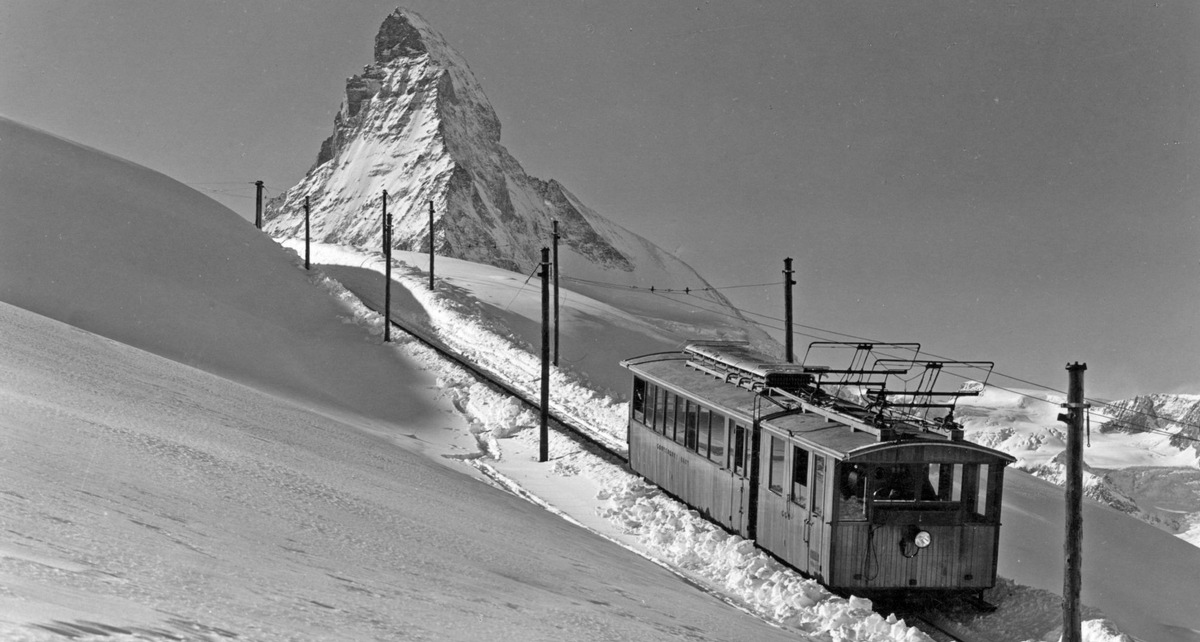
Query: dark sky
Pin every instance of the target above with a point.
(1013, 181)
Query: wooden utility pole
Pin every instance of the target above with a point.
(1072, 548)
(307, 236)
(258, 189)
(544, 431)
(787, 312)
(387, 259)
(431, 286)
(555, 292)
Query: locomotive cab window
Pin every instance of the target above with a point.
(852, 498)
(934, 486)
(983, 507)
(903, 483)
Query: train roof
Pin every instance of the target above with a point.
(833, 430)
(671, 367)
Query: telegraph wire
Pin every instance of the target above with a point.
(653, 289)
(522, 288)
(688, 291)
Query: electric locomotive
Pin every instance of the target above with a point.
(857, 476)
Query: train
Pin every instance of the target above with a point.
(855, 474)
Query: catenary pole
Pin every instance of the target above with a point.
(543, 430)
(307, 236)
(387, 280)
(787, 309)
(431, 286)
(258, 191)
(556, 237)
(1072, 548)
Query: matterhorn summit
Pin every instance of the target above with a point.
(416, 123)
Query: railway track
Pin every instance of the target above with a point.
(562, 421)
(934, 624)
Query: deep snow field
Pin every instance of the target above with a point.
(203, 441)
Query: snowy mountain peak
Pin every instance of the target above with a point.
(1178, 415)
(416, 123)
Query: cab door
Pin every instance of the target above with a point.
(739, 447)
(799, 502)
(815, 527)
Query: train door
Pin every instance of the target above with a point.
(776, 528)
(814, 528)
(739, 447)
(798, 505)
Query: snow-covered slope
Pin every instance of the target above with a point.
(116, 249)
(417, 124)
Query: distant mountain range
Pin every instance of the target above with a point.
(1140, 457)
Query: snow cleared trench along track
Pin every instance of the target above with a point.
(597, 438)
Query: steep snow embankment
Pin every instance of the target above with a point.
(117, 249)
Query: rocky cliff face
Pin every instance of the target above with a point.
(416, 123)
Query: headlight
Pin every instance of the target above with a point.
(922, 539)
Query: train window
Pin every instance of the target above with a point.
(689, 425)
(775, 475)
(981, 501)
(944, 483)
(660, 409)
(648, 411)
(716, 442)
(800, 476)
(852, 484)
(702, 431)
(970, 483)
(668, 425)
(639, 399)
(818, 485)
(675, 413)
(897, 482)
(739, 450)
